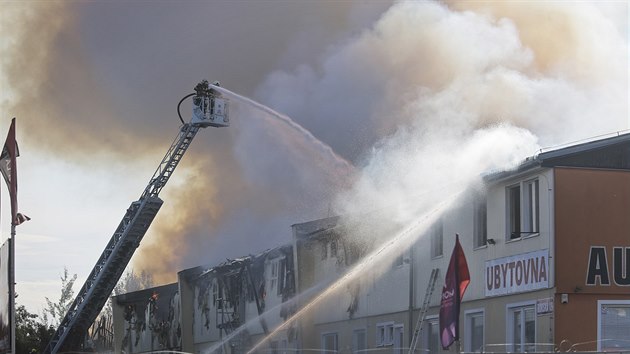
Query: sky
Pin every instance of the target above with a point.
(356, 105)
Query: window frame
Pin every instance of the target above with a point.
(400, 348)
(324, 250)
(284, 346)
(530, 207)
(468, 315)
(387, 338)
(480, 221)
(274, 270)
(432, 320)
(513, 217)
(522, 209)
(336, 341)
(601, 303)
(509, 335)
(333, 248)
(436, 233)
(355, 340)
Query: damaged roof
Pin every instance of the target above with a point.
(231, 265)
(310, 228)
(609, 153)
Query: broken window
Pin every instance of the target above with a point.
(273, 278)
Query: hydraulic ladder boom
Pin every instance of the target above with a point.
(209, 109)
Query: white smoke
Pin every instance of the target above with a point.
(426, 64)
(432, 96)
(423, 98)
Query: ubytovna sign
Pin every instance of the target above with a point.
(520, 273)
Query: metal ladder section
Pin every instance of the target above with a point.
(423, 310)
(105, 274)
(118, 252)
(170, 160)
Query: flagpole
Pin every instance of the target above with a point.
(9, 172)
(12, 286)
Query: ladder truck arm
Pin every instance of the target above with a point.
(209, 109)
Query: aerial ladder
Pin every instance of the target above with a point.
(209, 109)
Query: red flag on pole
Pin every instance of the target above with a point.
(456, 282)
(8, 168)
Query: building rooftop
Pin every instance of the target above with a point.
(612, 152)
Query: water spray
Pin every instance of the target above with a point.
(406, 237)
(243, 327)
(342, 163)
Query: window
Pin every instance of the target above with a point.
(474, 328)
(530, 208)
(329, 342)
(217, 293)
(522, 328)
(398, 340)
(613, 319)
(273, 278)
(436, 239)
(384, 334)
(333, 248)
(480, 222)
(274, 347)
(284, 345)
(398, 262)
(432, 335)
(359, 341)
(514, 211)
(324, 249)
(523, 211)
(282, 275)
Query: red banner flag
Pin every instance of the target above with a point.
(8, 168)
(456, 282)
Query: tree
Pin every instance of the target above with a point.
(55, 311)
(31, 335)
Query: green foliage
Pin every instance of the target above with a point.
(55, 311)
(31, 335)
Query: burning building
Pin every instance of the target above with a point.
(147, 320)
(232, 305)
(546, 245)
(227, 307)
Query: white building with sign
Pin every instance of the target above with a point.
(548, 249)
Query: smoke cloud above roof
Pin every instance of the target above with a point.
(416, 97)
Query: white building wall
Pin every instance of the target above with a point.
(387, 296)
(383, 289)
(460, 221)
